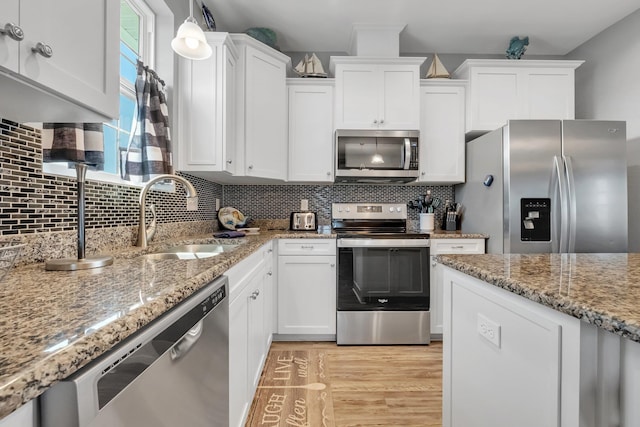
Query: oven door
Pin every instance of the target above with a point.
(383, 274)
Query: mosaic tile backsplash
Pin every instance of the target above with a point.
(31, 201)
(278, 201)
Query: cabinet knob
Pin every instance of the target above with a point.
(43, 49)
(433, 263)
(381, 121)
(423, 173)
(375, 122)
(255, 294)
(269, 250)
(250, 167)
(12, 30)
(328, 173)
(270, 273)
(332, 265)
(229, 161)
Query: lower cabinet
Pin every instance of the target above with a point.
(251, 303)
(441, 247)
(25, 416)
(307, 288)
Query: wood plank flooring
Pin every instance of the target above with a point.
(365, 386)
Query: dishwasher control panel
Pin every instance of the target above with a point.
(213, 300)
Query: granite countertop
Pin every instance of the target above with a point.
(601, 289)
(54, 322)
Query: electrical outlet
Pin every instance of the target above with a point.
(489, 330)
(304, 204)
(217, 205)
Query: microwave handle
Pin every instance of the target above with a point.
(407, 153)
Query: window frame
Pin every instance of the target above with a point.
(150, 26)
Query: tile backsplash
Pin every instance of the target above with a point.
(278, 201)
(32, 202)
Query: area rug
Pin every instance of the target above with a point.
(294, 390)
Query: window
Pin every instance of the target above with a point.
(139, 26)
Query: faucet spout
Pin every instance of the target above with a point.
(192, 204)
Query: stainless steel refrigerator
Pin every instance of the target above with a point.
(538, 186)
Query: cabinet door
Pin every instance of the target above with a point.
(549, 94)
(442, 129)
(265, 116)
(399, 102)
(256, 352)
(9, 47)
(306, 295)
(358, 97)
(494, 98)
(229, 112)
(503, 352)
(238, 360)
(310, 133)
(84, 63)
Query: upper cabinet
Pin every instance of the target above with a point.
(56, 67)
(261, 109)
(310, 130)
(502, 89)
(442, 131)
(377, 93)
(207, 113)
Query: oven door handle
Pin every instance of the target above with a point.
(383, 243)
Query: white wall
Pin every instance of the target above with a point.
(608, 88)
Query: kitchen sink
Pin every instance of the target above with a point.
(197, 251)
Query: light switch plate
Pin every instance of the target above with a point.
(217, 205)
(304, 204)
(489, 330)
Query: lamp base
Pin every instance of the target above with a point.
(71, 264)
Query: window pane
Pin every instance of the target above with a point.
(128, 70)
(129, 26)
(110, 150)
(127, 109)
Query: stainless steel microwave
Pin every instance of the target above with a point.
(376, 156)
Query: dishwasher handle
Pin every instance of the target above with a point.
(183, 346)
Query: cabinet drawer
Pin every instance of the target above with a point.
(307, 247)
(457, 246)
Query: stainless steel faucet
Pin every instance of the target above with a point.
(144, 234)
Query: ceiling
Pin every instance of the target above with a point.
(554, 27)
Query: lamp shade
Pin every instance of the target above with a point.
(190, 41)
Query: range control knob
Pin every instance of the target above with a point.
(399, 208)
(348, 209)
(391, 209)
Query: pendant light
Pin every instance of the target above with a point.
(190, 41)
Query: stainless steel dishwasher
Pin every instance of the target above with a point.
(175, 372)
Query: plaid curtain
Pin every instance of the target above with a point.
(73, 142)
(149, 150)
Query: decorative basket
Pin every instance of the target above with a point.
(9, 252)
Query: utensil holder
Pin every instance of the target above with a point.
(427, 222)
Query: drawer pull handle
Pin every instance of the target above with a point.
(306, 247)
(457, 247)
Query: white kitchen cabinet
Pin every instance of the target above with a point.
(502, 89)
(76, 76)
(441, 247)
(310, 130)
(207, 113)
(261, 109)
(377, 93)
(25, 416)
(442, 131)
(249, 333)
(306, 289)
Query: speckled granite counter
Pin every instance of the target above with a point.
(52, 323)
(602, 289)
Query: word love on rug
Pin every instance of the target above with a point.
(294, 391)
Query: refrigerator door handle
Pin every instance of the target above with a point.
(556, 191)
(571, 199)
(560, 233)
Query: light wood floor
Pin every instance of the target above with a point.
(379, 385)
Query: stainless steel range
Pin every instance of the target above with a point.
(383, 276)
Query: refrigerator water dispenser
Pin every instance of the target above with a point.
(535, 220)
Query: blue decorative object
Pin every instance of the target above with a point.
(517, 47)
(264, 35)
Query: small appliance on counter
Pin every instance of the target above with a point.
(304, 221)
